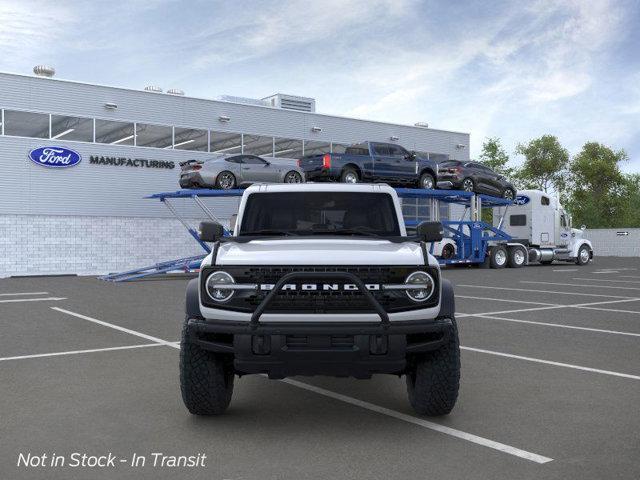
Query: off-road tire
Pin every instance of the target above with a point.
(206, 380)
(433, 383)
(346, 173)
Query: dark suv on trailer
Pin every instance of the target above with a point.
(474, 177)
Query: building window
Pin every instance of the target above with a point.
(226, 143)
(114, 133)
(157, 136)
(338, 147)
(26, 124)
(190, 139)
(72, 128)
(258, 145)
(312, 147)
(287, 148)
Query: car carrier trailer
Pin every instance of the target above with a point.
(469, 241)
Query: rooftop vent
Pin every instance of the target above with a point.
(153, 88)
(44, 71)
(422, 124)
(292, 102)
(244, 100)
(175, 91)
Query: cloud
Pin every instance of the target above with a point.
(29, 30)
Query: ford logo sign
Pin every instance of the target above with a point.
(56, 157)
(521, 200)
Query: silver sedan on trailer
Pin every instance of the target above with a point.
(235, 171)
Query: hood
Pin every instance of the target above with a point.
(577, 232)
(328, 251)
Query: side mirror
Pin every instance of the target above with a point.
(211, 231)
(430, 231)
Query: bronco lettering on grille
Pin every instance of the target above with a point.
(314, 287)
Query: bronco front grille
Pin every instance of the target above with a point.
(333, 301)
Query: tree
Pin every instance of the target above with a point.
(545, 165)
(600, 193)
(495, 157)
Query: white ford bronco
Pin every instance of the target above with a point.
(319, 279)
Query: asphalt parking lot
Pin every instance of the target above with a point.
(550, 387)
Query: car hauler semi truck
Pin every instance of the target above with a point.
(538, 221)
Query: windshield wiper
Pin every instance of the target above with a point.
(286, 233)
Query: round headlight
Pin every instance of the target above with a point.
(421, 286)
(215, 286)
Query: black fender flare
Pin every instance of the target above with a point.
(192, 304)
(447, 300)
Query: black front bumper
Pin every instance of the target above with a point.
(349, 350)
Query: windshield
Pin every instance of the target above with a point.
(328, 213)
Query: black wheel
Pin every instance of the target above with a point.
(427, 181)
(293, 177)
(584, 255)
(434, 380)
(448, 251)
(509, 194)
(468, 185)
(498, 257)
(517, 257)
(206, 379)
(225, 180)
(349, 175)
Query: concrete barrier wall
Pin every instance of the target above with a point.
(614, 242)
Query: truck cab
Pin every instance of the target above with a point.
(538, 221)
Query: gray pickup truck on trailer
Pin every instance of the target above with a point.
(320, 279)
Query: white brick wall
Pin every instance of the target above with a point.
(49, 245)
(607, 242)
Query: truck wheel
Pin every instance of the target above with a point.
(427, 181)
(498, 258)
(432, 385)
(583, 255)
(517, 257)
(206, 380)
(508, 194)
(349, 175)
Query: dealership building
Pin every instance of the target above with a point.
(92, 217)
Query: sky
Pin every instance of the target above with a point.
(514, 70)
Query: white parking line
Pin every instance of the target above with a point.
(369, 406)
(558, 325)
(528, 290)
(604, 280)
(115, 327)
(506, 300)
(565, 269)
(469, 437)
(610, 310)
(23, 293)
(76, 352)
(549, 362)
(616, 287)
(44, 299)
